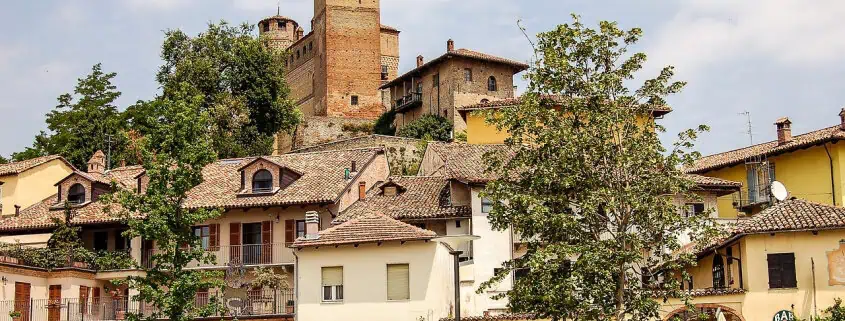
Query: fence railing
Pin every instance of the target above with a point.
(254, 303)
(250, 254)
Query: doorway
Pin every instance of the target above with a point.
(251, 240)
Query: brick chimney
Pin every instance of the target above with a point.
(362, 190)
(420, 61)
(842, 119)
(450, 45)
(784, 127)
(97, 163)
(17, 210)
(312, 225)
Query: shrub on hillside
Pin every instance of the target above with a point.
(384, 124)
(434, 126)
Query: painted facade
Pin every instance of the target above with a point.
(31, 185)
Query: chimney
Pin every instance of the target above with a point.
(122, 163)
(312, 225)
(362, 190)
(97, 163)
(354, 167)
(450, 45)
(784, 127)
(17, 210)
(842, 119)
(299, 33)
(420, 60)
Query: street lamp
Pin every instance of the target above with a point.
(451, 242)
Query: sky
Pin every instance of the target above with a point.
(771, 58)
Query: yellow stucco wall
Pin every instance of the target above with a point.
(31, 186)
(760, 302)
(365, 281)
(480, 132)
(806, 174)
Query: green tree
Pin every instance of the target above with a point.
(241, 82)
(836, 312)
(3, 160)
(384, 124)
(82, 122)
(589, 181)
(174, 152)
(433, 126)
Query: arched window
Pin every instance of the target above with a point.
(485, 100)
(718, 271)
(76, 194)
(491, 84)
(262, 181)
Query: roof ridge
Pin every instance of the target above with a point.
(329, 151)
(771, 141)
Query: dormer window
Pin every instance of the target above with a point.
(76, 194)
(390, 191)
(262, 181)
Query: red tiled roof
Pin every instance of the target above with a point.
(554, 99)
(464, 53)
(738, 156)
(507, 316)
(424, 197)
(386, 27)
(366, 228)
(714, 292)
(21, 166)
(40, 215)
(794, 215)
(704, 181)
(466, 162)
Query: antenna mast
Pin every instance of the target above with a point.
(108, 157)
(748, 124)
(279, 7)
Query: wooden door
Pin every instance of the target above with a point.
(22, 300)
(54, 303)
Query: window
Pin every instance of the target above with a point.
(384, 72)
(419, 224)
(435, 81)
(332, 283)
(491, 84)
(282, 26)
(300, 228)
(693, 209)
(310, 46)
(457, 223)
(120, 242)
(468, 74)
(354, 100)
(486, 205)
(101, 241)
(718, 271)
(262, 181)
(398, 282)
(204, 234)
(520, 273)
(782, 271)
(76, 194)
(266, 27)
(297, 53)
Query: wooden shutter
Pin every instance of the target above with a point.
(398, 282)
(54, 307)
(243, 180)
(60, 193)
(290, 231)
(22, 300)
(775, 279)
(234, 242)
(267, 240)
(332, 275)
(83, 299)
(214, 237)
(787, 263)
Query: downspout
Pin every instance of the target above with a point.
(832, 184)
(295, 286)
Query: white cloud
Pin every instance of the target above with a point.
(158, 5)
(788, 32)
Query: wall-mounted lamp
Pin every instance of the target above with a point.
(4, 279)
(278, 218)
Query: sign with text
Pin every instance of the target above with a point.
(784, 315)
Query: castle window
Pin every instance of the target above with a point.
(262, 181)
(282, 26)
(491, 84)
(354, 100)
(266, 27)
(383, 72)
(76, 194)
(468, 74)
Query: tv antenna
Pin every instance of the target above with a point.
(748, 125)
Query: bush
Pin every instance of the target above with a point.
(384, 124)
(434, 126)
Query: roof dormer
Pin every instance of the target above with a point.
(264, 176)
(391, 188)
(78, 189)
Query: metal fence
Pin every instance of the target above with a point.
(254, 303)
(250, 254)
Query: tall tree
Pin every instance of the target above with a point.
(589, 185)
(82, 122)
(174, 151)
(242, 83)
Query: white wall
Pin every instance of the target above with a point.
(365, 282)
(489, 252)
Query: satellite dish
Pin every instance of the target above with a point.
(779, 191)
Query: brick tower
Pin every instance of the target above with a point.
(280, 31)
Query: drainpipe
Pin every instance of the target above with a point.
(832, 184)
(295, 286)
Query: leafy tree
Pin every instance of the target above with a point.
(3, 160)
(241, 82)
(434, 126)
(836, 312)
(173, 152)
(590, 179)
(384, 124)
(82, 122)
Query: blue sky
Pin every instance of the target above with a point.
(772, 58)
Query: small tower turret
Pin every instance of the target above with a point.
(280, 31)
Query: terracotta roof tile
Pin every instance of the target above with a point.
(465, 53)
(793, 215)
(386, 27)
(19, 167)
(40, 215)
(503, 317)
(554, 99)
(424, 197)
(466, 162)
(738, 156)
(366, 228)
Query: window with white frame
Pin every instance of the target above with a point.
(486, 205)
(398, 282)
(332, 283)
(693, 209)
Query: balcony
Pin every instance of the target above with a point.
(411, 100)
(248, 255)
(264, 302)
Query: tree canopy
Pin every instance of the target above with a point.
(432, 126)
(589, 185)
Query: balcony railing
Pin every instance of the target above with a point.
(255, 303)
(248, 255)
(410, 100)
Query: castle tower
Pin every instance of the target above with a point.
(348, 33)
(280, 31)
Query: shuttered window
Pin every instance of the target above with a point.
(332, 283)
(782, 271)
(398, 282)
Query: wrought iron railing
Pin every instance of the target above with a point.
(248, 255)
(408, 100)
